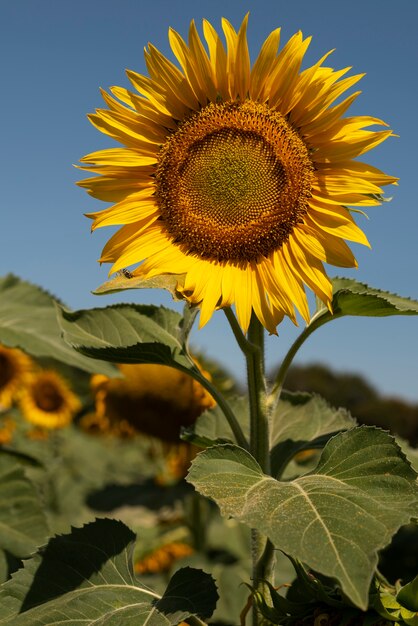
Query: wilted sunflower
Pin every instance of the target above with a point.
(48, 401)
(152, 399)
(15, 367)
(235, 177)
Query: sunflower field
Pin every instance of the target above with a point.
(139, 482)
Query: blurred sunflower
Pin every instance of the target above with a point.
(235, 177)
(15, 368)
(162, 559)
(47, 401)
(152, 399)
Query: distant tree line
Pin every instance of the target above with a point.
(359, 397)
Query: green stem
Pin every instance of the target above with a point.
(225, 408)
(315, 323)
(259, 422)
(197, 510)
(253, 350)
(262, 552)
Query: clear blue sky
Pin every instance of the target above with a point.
(56, 54)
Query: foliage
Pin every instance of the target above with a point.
(330, 496)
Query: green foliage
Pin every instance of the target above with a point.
(23, 525)
(120, 282)
(361, 492)
(129, 334)
(28, 320)
(299, 422)
(354, 298)
(408, 595)
(303, 422)
(87, 576)
(328, 517)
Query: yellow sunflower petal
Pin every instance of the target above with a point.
(202, 65)
(106, 123)
(309, 269)
(212, 295)
(218, 59)
(267, 315)
(332, 223)
(330, 249)
(174, 81)
(286, 71)
(113, 188)
(120, 157)
(144, 107)
(244, 298)
(183, 55)
(140, 206)
(263, 66)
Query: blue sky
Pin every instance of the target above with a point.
(54, 57)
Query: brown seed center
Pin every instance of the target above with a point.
(47, 397)
(233, 181)
(7, 371)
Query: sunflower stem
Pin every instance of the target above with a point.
(259, 422)
(252, 346)
(225, 408)
(316, 322)
(262, 556)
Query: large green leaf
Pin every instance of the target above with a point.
(126, 333)
(335, 518)
(28, 320)
(86, 577)
(353, 298)
(303, 421)
(22, 522)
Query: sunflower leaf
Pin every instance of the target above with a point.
(28, 320)
(128, 333)
(408, 595)
(86, 576)
(335, 518)
(358, 299)
(303, 421)
(125, 280)
(211, 427)
(22, 522)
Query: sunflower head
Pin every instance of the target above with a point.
(153, 399)
(163, 558)
(48, 402)
(235, 177)
(15, 369)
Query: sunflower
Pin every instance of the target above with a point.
(163, 558)
(235, 178)
(156, 400)
(47, 401)
(15, 367)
